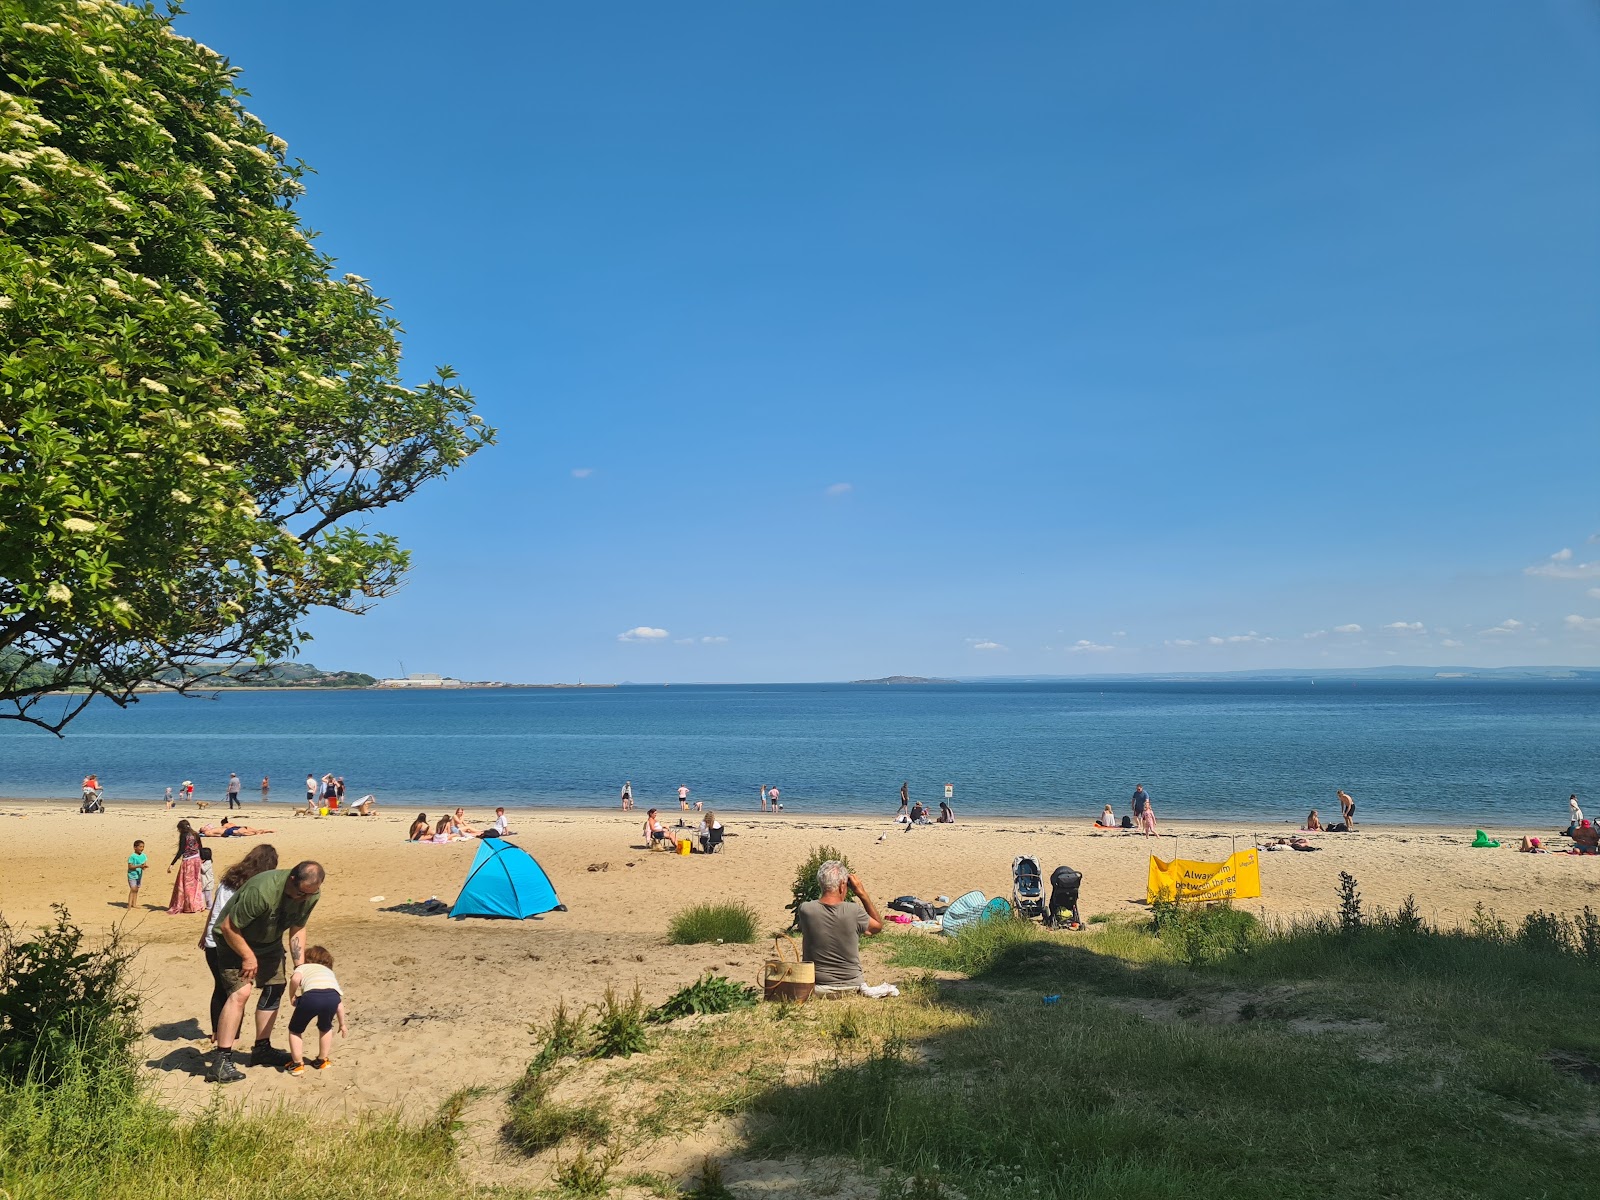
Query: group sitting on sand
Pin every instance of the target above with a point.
(454, 828)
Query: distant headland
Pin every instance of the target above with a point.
(903, 679)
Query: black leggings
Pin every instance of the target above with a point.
(321, 1005)
(219, 990)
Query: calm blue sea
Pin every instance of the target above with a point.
(1449, 751)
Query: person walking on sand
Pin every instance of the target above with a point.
(233, 791)
(311, 790)
(1347, 808)
(1140, 799)
(186, 894)
(169, 798)
(137, 862)
(683, 797)
(1147, 817)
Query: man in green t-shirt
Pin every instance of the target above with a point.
(250, 954)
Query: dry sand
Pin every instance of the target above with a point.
(437, 1004)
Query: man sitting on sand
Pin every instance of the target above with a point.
(831, 929)
(368, 806)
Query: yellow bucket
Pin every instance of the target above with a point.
(684, 845)
(322, 812)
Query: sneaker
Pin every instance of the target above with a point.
(267, 1055)
(322, 1064)
(295, 1068)
(225, 1072)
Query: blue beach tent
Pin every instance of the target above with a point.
(505, 881)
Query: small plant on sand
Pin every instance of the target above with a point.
(618, 1030)
(736, 922)
(586, 1174)
(708, 994)
(537, 1122)
(709, 1186)
(805, 885)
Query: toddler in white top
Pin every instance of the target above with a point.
(315, 993)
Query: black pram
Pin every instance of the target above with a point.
(1064, 885)
(91, 801)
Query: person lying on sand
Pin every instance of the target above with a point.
(1532, 845)
(229, 829)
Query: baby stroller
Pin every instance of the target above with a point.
(1064, 885)
(92, 803)
(1027, 887)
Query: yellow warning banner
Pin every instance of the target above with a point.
(1239, 877)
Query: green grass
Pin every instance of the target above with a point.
(96, 1138)
(735, 922)
(1305, 1059)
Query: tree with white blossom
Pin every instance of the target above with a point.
(196, 411)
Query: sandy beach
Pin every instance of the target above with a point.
(437, 1004)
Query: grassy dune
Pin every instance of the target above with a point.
(1349, 1056)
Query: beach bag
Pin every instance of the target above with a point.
(784, 977)
(1127, 821)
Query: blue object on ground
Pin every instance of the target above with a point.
(1052, 999)
(505, 881)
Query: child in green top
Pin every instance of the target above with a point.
(136, 865)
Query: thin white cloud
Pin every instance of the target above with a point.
(1347, 629)
(1236, 638)
(838, 489)
(1085, 646)
(1583, 624)
(1405, 627)
(582, 472)
(1119, 633)
(1315, 633)
(1561, 566)
(1181, 642)
(642, 633)
(1450, 642)
(1509, 625)
(713, 641)
(987, 646)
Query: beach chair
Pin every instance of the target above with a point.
(712, 842)
(1027, 887)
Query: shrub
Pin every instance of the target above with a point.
(708, 994)
(584, 1175)
(1203, 933)
(1542, 932)
(1350, 920)
(709, 1186)
(734, 922)
(62, 1005)
(618, 1030)
(805, 886)
(1587, 932)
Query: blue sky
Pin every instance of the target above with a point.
(830, 341)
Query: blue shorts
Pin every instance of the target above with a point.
(323, 1004)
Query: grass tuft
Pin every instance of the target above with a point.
(734, 922)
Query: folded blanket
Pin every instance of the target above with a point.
(829, 991)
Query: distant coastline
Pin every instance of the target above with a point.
(905, 679)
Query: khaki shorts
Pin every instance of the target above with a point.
(269, 970)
